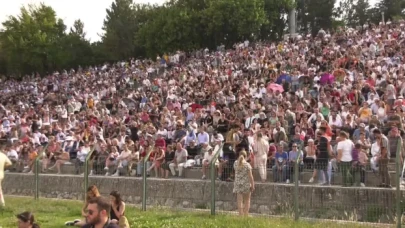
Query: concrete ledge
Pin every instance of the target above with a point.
(356, 204)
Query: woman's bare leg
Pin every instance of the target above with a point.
(246, 203)
(240, 204)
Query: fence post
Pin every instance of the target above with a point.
(144, 179)
(36, 166)
(86, 172)
(296, 183)
(212, 176)
(398, 180)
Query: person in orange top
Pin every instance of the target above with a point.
(33, 154)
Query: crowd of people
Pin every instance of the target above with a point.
(334, 102)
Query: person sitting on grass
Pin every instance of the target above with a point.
(117, 212)
(26, 220)
(98, 211)
(92, 192)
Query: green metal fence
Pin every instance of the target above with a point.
(295, 200)
(39, 157)
(86, 172)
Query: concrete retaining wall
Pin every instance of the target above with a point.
(359, 204)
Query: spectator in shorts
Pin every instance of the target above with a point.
(4, 162)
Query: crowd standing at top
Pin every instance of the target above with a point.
(334, 101)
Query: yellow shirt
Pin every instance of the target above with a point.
(365, 113)
(4, 161)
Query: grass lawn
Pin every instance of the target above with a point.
(53, 213)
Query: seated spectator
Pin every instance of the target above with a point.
(169, 157)
(112, 159)
(81, 157)
(71, 146)
(13, 156)
(26, 220)
(53, 148)
(194, 153)
(33, 154)
(145, 149)
(117, 211)
(98, 161)
(280, 167)
(157, 160)
(92, 192)
(60, 160)
(292, 159)
(179, 160)
(208, 156)
(123, 159)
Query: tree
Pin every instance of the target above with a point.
(29, 40)
(120, 28)
(78, 29)
(315, 14)
(353, 12)
(230, 21)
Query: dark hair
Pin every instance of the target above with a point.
(117, 195)
(102, 203)
(27, 216)
(376, 131)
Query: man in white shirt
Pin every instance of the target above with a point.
(179, 160)
(4, 162)
(81, 157)
(344, 149)
(208, 156)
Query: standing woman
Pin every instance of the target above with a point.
(244, 184)
(92, 192)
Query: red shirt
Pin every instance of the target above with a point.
(160, 143)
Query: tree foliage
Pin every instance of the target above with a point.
(36, 40)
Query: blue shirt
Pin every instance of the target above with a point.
(281, 157)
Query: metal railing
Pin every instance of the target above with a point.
(36, 165)
(398, 183)
(144, 175)
(86, 172)
(371, 211)
(213, 169)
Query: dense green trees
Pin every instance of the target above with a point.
(36, 40)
